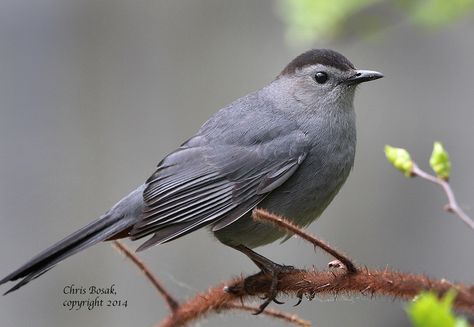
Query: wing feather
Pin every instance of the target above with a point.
(201, 184)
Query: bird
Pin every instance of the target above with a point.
(287, 148)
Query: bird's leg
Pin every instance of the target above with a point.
(267, 267)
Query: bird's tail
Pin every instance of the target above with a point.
(120, 218)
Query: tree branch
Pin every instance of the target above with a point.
(364, 282)
(452, 205)
(216, 300)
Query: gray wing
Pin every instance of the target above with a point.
(200, 184)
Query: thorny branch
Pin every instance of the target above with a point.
(287, 225)
(349, 281)
(313, 283)
(452, 205)
(217, 301)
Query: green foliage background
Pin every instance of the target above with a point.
(311, 20)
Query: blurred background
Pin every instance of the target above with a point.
(94, 93)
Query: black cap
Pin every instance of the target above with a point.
(326, 57)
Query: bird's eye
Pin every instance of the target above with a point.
(321, 77)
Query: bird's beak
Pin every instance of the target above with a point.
(361, 76)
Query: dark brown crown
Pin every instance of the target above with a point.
(324, 57)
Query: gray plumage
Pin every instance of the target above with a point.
(287, 148)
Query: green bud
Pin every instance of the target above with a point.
(439, 161)
(400, 159)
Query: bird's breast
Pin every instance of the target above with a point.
(302, 198)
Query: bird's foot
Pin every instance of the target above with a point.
(267, 267)
(274, 272)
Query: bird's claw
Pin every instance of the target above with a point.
(300, 299)
(278, 302)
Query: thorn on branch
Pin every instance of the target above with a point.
(336, 264)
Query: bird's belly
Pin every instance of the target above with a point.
(302, 199)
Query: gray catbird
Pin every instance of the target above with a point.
(287, 148)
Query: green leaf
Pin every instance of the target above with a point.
(427, 310)
(440, 162)
(400, 159)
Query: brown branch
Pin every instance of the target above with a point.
(170, 301)
(287, 225)
(368, 282)
(217, 300)
(298, 283)
(452, 205)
